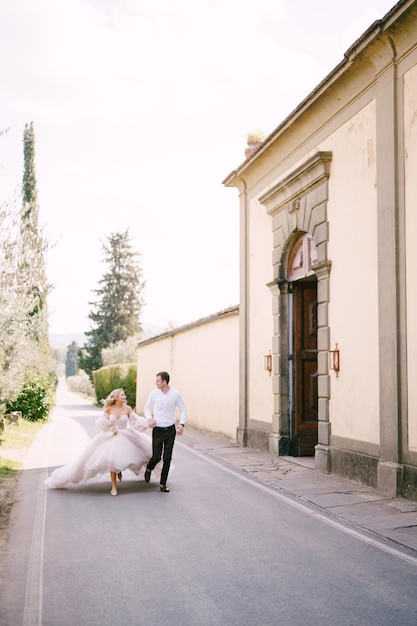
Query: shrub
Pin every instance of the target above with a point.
(81, 384)
(116, 377)
(37, 397)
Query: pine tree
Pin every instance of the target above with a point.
(116, 312)
(71, 361)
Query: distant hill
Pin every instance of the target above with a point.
(63, 341)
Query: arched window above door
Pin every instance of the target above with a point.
(301, 258)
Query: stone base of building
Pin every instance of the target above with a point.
(253, 438)
(278, 444)
(397, 480)
(409, 482)
(355, 466)
(393, 479)
(242, 437)
(322, 459)
(389, 478)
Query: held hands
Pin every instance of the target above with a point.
(152, 424)
(114, 431)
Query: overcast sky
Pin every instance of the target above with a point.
(141, 108)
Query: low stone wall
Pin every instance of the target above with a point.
(9, 418)
(13, 417)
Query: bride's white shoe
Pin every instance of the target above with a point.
(113, 492)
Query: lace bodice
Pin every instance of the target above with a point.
(120, 423)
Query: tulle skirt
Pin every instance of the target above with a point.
(103, 454)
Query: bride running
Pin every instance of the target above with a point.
(120, 445)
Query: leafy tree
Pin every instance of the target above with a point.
(71, 361)
(116, 312)
(20, 352)
(121, 352)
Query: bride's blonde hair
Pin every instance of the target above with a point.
(112, 397)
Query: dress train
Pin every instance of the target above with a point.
(129, 449)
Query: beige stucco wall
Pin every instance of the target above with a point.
(410, 153)
(352, 249)
(203, 361)
(260, 398)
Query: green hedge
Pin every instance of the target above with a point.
(116, 377)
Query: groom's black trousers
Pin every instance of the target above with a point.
(162, 445)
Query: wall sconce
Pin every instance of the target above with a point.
(268, 362)
(335, 359)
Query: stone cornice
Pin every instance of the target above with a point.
(299, 182)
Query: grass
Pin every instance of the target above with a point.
(16, 437)
(8, 467)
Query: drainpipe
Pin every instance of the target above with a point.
(242, 435)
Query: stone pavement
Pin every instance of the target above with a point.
(393, 520)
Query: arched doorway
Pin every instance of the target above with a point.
(302, 353)
(297, 205)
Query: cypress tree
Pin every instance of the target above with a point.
(24, 346)
(71, 360)
(33, 246)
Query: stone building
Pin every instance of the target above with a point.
(328, 306)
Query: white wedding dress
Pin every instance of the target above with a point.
(129, 449)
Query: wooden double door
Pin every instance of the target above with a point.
(304, 418)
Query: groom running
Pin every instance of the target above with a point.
(160, 409)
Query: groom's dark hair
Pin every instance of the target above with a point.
(164, 376)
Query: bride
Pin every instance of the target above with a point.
(120, 445)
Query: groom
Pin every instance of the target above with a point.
(160, 410)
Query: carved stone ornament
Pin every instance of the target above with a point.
(294, 205)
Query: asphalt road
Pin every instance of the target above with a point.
(218, 550)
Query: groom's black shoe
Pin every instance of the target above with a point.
(147, 475)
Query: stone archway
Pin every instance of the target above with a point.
(298, 204)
